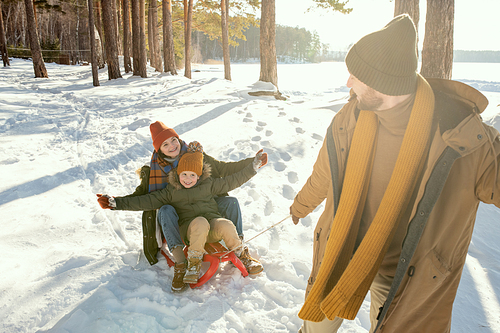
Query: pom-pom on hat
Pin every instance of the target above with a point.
(160, 133)
(191, 162)
(386, 60)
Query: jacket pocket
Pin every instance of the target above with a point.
(428, 278)
(421, 288)
(437, 269)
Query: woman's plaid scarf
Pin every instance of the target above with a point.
(160, 168)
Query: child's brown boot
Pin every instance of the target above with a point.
(193, 269)
(178, 284)
(252, 265)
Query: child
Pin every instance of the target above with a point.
(191, 192)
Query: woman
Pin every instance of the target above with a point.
(168, 149)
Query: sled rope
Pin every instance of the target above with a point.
(260, 233)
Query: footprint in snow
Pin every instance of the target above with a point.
(293, 177)
(256, 138)
(254, 194)
(285, 156)
(261, 123)
(279, 166)
(268, 210)
(256, 220)
(299, 130)
(288, 192)
(248, 118)
(269, 133)
(317, 137)
(274, 242)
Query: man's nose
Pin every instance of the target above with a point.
(349, 82)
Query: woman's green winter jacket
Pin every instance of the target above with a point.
(150, 244)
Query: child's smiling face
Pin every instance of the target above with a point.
(188, 178)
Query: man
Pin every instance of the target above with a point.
(403, 168)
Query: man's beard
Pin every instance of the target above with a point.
(370, 100)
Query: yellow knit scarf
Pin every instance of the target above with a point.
(343, 282)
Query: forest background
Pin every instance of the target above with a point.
(64, 32)
(63, 29)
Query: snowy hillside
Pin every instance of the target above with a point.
(69, 266)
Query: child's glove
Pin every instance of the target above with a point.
(260, 160)
(105, 201)
(195, 146)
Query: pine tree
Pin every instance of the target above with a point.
(188, 16)
(36, 51)
(126, 36)
(168, 39)
(224, 20)
(93, 53)
(110, 43)
(3, 41)
(268, 63)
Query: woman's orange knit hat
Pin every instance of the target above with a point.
(160, 133)
(191, 162)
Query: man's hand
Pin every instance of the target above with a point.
(105, 201)
(295, 219)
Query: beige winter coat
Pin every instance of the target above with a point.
(462, 157)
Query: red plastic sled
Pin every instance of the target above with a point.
(216, 253)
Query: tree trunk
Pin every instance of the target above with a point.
(116, 26)
(36, 52)
(188, 16)
(224, 21)
(93, 54)
(150, 40)
(154, 44)
(268, 64)
(99, 26)
(126, 36)
(136, 36)
(143, 56)
(3, 41)
(156, 39)
(437, 52)
(116, 11)
(168, 39)
(110, 43)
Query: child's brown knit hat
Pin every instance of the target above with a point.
(191, 162)
(386, 60)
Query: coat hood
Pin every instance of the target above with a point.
(173, 177)
(460, 91)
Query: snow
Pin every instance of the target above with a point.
(69, 266)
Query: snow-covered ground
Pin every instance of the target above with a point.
(69, 266)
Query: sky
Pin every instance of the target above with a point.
(68, 266)
(476, 22)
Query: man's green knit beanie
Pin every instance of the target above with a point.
(386, 60)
